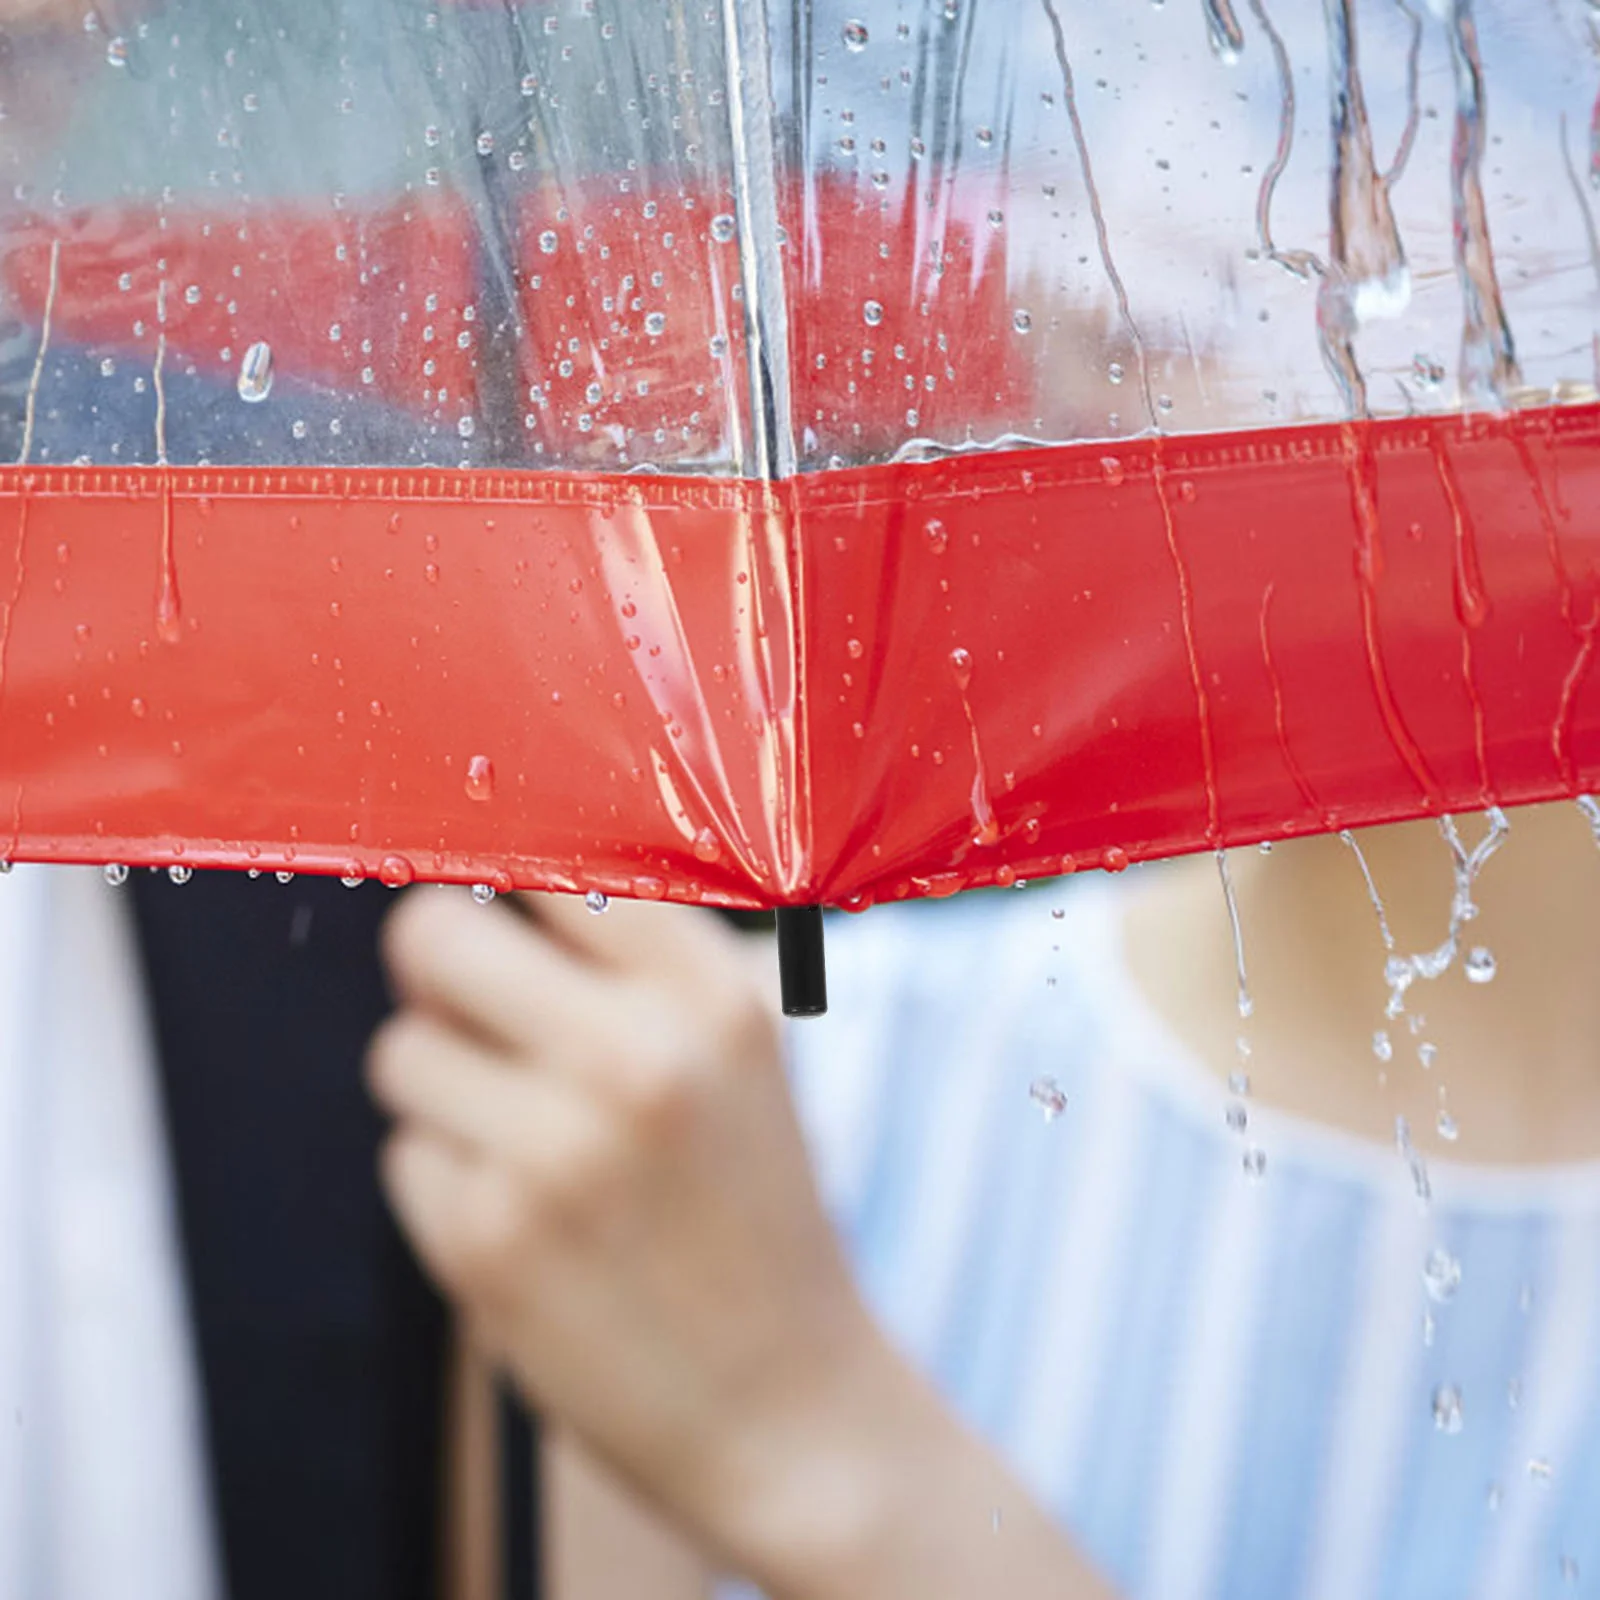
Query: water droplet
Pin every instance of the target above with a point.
(1480, 965)
(855, 36)
(1447, 1416)
(985, 137)
(596, 902)
(1236, 1116)
(180, 873)
(485, 143)
(1022, 320)
(191, 295)
(1049, 1096)
(255, 373)
(1441, 1275)
(1254, 1163)
(1114, 372)
(934, 532)
(1448, 1131)
(483, 893)
(707, 846)
(1112, 471)
(353, 877)
(872, 313)
(395, 872)
(1427, 1054)
(648, 888)
(723, 227)
(1427, 370)
(655, 324)
(117, 52)
(961, 668)
(466, 427)
(116, 874)
(1382, 1045)
(480, 778)
(547, 242)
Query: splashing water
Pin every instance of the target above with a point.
(1441, 1275)
(1400, 972)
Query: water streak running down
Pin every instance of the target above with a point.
(1489, 371)
(1102, 235)
(1408, 135)
(1247, 1005)
(1349, 840)
(1303, 264)
(31, 405)
(986, 830)
(1223, 30)
(1582, 199)
(1367, 259)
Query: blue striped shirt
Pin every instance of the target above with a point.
(1221, 1387)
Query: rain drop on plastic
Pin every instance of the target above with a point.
(548, 242)
(1447, 1414)
(255, 373)
(483, 893)
(596, 902)
(723, 227)
(1048, 1095)
(1022, 320)
(1254, 1163)
(872, 313)
(1480, 965)
(855, 36)
(655, 324)
(480, 778)
(116, 874)
(180, 873)
(117, 52)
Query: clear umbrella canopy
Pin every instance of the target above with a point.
(785, 453)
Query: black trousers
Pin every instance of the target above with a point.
(322, 1350)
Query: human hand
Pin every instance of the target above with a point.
(597, 1156)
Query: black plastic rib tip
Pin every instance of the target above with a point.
(802, 963)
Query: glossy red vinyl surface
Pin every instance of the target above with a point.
(856, 686)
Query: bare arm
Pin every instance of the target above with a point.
(598, 1157)
(601, 1542)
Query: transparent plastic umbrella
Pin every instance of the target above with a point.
(785, 455)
